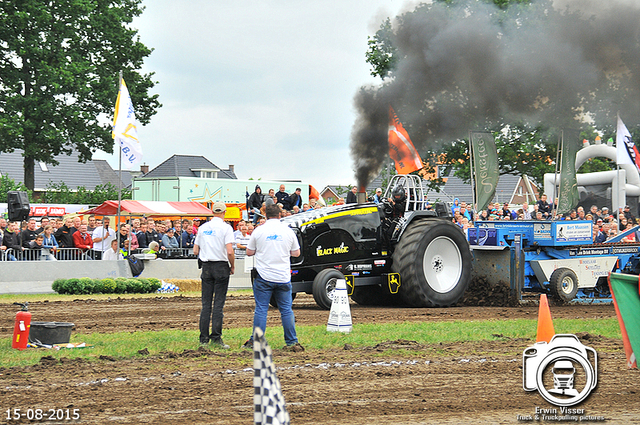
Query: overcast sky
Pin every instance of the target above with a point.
(264, 85)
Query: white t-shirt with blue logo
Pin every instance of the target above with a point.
(273, 243)
(212, 239)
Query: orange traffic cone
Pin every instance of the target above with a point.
(545, 324)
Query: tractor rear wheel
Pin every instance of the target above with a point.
(563, 284)
(434, 262)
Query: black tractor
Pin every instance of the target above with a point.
(398, 252)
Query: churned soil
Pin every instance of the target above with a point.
(392, 382)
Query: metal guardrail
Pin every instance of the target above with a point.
(40, 254)
(170, 252)
(74, 254)
(178, 251)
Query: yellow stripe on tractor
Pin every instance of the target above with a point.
(360, 211)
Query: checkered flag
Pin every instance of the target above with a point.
(268, 401)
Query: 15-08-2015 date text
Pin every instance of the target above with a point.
(15, 414)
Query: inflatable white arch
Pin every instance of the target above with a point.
(624, 182)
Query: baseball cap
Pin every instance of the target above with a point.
(219, 207)
(196, 219)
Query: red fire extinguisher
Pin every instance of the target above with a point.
(21, 329)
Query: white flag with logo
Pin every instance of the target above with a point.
(125, 132)
(627, 152)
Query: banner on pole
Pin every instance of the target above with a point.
(401, 150)
(626, 299)
(485, 167)
(568, 196)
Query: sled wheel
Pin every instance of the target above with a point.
(563, 284)
(434, 262)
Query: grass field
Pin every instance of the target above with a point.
(20, 298)
(127, 344)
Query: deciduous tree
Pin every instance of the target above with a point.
(59, 66)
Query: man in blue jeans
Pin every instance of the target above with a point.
(273, 244)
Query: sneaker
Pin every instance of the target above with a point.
(296, 348)
(220, 344)
(248, 345)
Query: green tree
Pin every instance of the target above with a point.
(108, 192)
(522, 150)
(382, 55)
(59, 66)
(342, 191)
(60, 193)
(7, 184)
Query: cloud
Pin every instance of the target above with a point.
(267, 86)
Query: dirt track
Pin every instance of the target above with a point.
(178, 312)
(388, 383)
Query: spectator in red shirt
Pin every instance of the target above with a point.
(82, 239)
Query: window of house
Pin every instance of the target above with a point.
(205, 174)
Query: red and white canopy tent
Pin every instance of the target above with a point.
(151, 208)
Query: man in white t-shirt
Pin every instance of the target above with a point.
(214, 248)
(113, 253)
(273, 244)
(102, 237)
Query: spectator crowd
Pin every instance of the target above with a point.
(606, 225)
(76, 238)
(95, 238)
(98, 238)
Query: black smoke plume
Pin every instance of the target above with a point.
(470, 65)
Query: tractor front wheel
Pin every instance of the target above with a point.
(324, 285)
